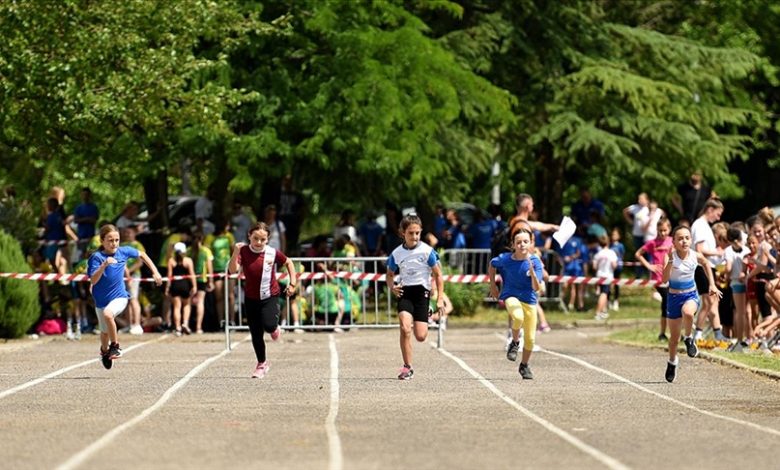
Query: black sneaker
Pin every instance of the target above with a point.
(690, 347)
(511, 353)
(525, 372)
(107, 362)
(671, 372)
(114, 352)
(663, 337)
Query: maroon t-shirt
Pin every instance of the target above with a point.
(260, 272)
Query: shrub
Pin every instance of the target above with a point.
(465, 297)
(18, 220)
(19, 308)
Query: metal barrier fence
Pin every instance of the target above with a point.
(330, 302)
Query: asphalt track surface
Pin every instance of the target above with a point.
(333, 401)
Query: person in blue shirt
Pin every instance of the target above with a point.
(106, 271)
(574, 255)
(521, 277)
(620, 250)
(415, 262)
(86, 216)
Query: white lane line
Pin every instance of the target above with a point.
(334, 441)
(662, 396)
(656, 394)
(605, 459)
(106, 438)
(51, 375)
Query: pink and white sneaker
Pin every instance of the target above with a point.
(261, 370)
(276, 334)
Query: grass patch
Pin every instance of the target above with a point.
(647, 336)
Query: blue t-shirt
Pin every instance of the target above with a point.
(87, 209)
(112, 283)
(620, 251)
(55, 227)
(482, 233)
(516, 277)
(574, 248)
(371, 232)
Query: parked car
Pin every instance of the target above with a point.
(181, 211)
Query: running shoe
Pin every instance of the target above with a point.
(663, 337)
(261, 370)
(671, 371)
(525, 372)
(114, 351)
(690, 347)
(105, 359)
(406, 373)
(511, 353)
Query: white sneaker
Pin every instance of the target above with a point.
(601, 316)
(657, 297)
(615, 305)
(698, 335)
(136, 330)
(69, 334)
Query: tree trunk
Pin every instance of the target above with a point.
(549, 185)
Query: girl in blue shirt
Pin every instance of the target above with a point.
(106, 270)
(521, 275)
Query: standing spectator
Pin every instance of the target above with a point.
(292, 208)
(181, 290)
(133, 279)
(482, 230)
(655, 214)
(204, 208)
(56, 232)
(524, 207)
(240, 223)
(128, 216)
(636, 215)
(620, 250)
(691, 197)
(392, 238)
(222, 250)
(258, 262)
(204, 270)
(86, 216)
(370, 233)
(657, 250)
(453, 235)
(605, 262)
(736, 269)
(277, 231)
(583, 211)
(346, 226)
(703, 242)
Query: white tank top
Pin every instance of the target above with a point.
(683, 271)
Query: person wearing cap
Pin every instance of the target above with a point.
(181, 287)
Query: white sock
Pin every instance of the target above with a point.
(676, 361)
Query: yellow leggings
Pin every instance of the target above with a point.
(523, 316)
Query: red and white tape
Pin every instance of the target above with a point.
(372, 277)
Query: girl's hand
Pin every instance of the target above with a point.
(398, 290)
(210, 286)
(494, 291)
(654, 268)
(715, 291)
(289, 290)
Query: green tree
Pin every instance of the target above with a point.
(19, 308)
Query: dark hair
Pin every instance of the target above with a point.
(197, 239)
(733, 234)
(258, 226)
(410, 219)
(678, 228)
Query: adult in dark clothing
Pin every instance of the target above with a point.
(690, 197)
(291, 208)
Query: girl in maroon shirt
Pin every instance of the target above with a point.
(258, 262)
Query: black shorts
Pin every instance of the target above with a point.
(202, 286)
(604, 289)
(702, 283)
(415, 300)
(180, 288)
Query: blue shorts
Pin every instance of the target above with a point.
(573, 270)
(738, 288)
(675, 302)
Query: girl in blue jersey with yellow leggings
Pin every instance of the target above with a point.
(683, 299)
(521, 275)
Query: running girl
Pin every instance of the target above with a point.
(521, 274)
(258, 261)
(415, 261)
(106, 270)
(683, 299)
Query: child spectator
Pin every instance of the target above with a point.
(658, 249)
(605, 261)
(181, 290)
(127, 237)
(620, 251)
(736, 270)
(572, 255)
(204, 272)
